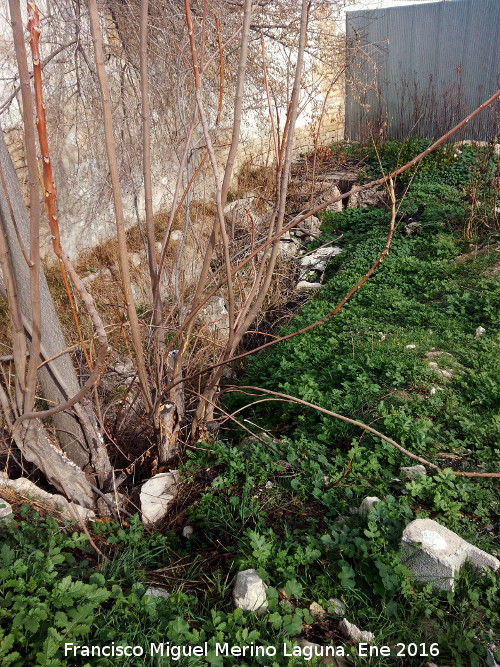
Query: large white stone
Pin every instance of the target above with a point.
(354, 634)
(156, 496)
(435, 554)
(249, 592)
(310, 228)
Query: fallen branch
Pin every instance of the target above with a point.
(292, 399)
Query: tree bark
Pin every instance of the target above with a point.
(55, 389)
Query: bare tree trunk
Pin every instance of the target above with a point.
(56, 389)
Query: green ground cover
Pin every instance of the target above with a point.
(282, 505)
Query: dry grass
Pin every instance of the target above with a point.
(258, 180)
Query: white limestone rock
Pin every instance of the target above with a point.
(249, 592)
(136, 259)
(187, 531)
(306, 286)
(435, 554)
(367, 505)
(156, 496)
(354, 634)
(308, 229)
(372, 197)
(157, 592)
(317, 260)
(443, 372)
(241, 213)
(331, 192)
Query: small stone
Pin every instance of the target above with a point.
(156, 592)
(269, 485)
(305, 286)
(337, 607)
(411, 472)
(411, 346)
(249, 592)
(479, 332)
(156, 496)
(354, 634)
(490, 660)
(187, 531)
(6, 515)
(435, 554)
(316, 610)
(367, 505)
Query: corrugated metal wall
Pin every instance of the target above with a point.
(421, 68)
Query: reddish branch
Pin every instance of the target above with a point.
(51, 207)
